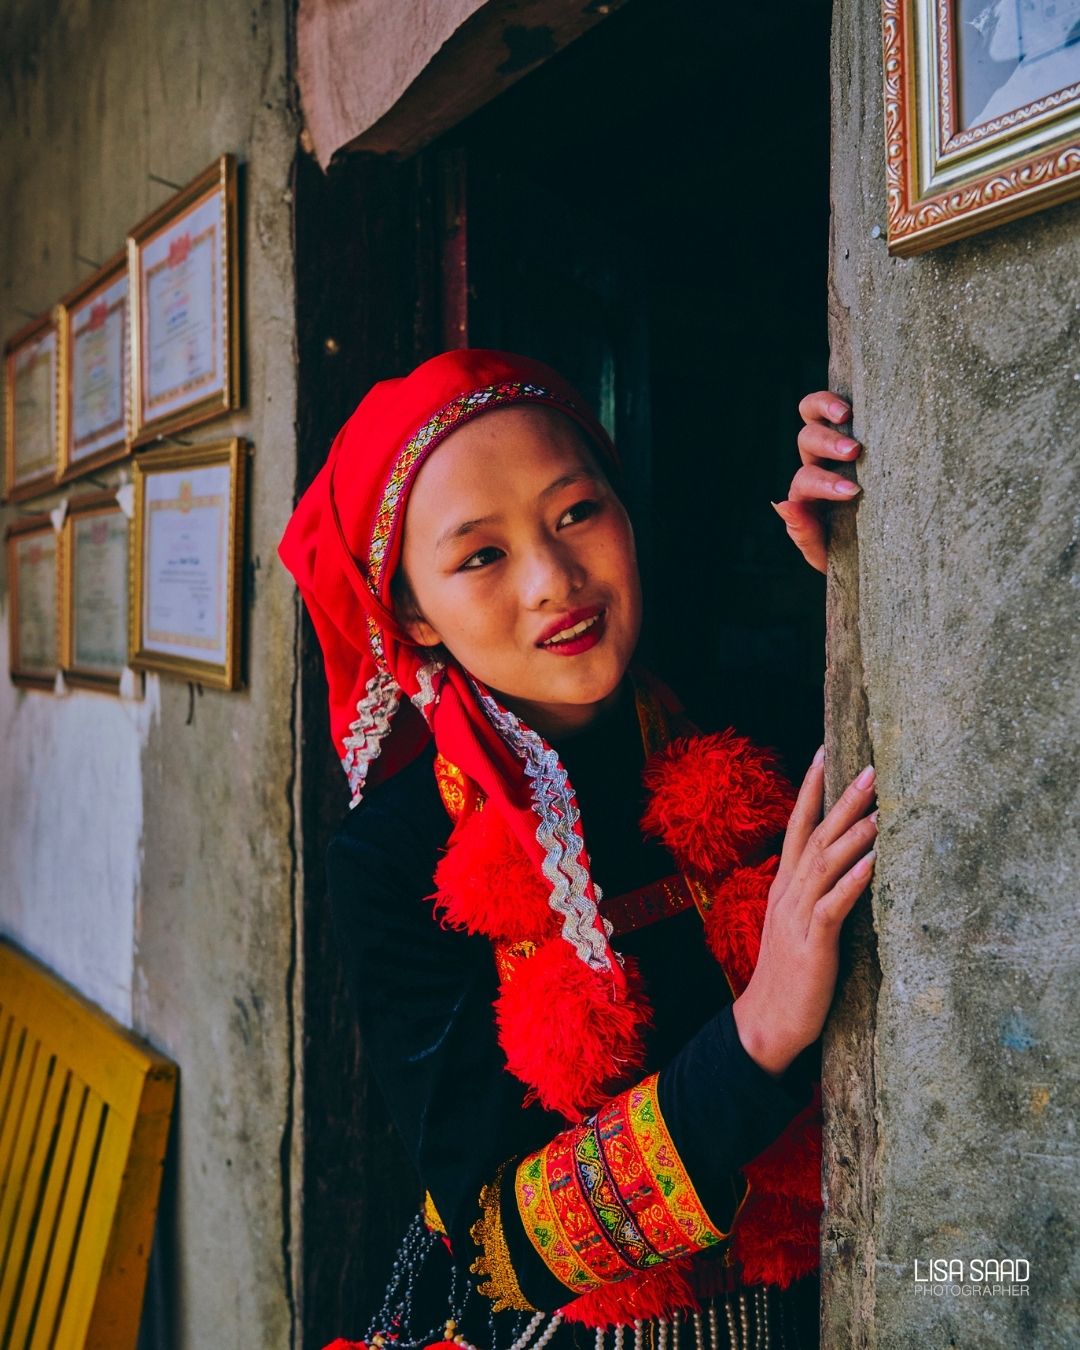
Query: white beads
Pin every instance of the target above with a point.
(599, 1338)
(527, 1335)
(639, 1334)
(549, 1331)
(620, 1336)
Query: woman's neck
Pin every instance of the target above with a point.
(565, 721)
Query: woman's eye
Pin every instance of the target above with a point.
(580, 511)
(481, 558)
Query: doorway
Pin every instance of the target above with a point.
(648, 213)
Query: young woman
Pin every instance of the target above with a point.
(588, 983)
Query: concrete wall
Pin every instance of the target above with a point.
(148, 850)
(953, 626)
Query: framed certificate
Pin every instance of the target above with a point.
(94, 594)
(182, 266)
(187, 554)
(33, 423)
(95, 374)
(33, 567)
(982, 114)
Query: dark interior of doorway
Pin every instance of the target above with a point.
(648, 212)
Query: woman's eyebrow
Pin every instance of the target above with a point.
(575, 476)
(468, 526)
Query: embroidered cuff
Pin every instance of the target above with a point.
(610, 1198)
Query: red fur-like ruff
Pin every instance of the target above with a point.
(567, 1032)
(488, 884)
(658, 1293)
(714, 798)
(776, 1242)
(791, 1165)
(733, 924)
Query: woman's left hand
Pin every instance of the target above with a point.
(814, 485)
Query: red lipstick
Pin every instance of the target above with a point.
(582, 641)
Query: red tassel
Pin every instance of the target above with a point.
(488, 884)
(568, 1033)
(791, 1165)
(733, 924)
(655, 1293)
(776, 1240)
(714, 798)
(341, 1344)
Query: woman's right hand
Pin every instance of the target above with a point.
(824, 867)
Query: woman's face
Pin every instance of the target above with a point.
(512, 538)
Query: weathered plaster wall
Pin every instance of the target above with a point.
(961, 591)
(148, 847)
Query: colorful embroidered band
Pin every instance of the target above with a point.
(610, 1198)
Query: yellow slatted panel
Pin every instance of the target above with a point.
(80, 1176)
(16, 1327)
(13, 1200)
(7, 1063)
(21, 1226)
(84, 1118)
(27, 1050)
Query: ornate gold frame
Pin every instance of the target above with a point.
(105, 276)
(31, 487)
(95, 504)
(233, 452)
(943, 183)
(219, 179)
(39, 523)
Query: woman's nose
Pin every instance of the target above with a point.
(550, 574)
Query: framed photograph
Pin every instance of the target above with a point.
(95, 371)
(32, 451)
(187, 556)
(94, 595)
(33, 569)
(183, 271)
(982, 114)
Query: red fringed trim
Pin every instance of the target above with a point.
(791, 1165)
(776, 1240)
(566, 1031)
(342, 1344)
(733, 923)
(488, 884)
(714, 798)
(656, 1293)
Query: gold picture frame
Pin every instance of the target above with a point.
(187, 562)
(982, 119)
(32, 412)
(95, 371)
(34, 600)
(95, 592)
(184, 284)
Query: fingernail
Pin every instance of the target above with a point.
(849, 447)
(866, 777)
(778, 507)
(873, 816)
(819, 758)
(846, 488)
(838, 412)
(864, 864)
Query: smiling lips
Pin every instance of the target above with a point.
(575, 632)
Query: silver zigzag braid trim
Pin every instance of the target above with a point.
(364, 741)
(553, 803)
(425, 699)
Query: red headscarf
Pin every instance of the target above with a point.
(343, 546)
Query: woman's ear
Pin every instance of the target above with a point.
(407, 612)
(420, 631)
